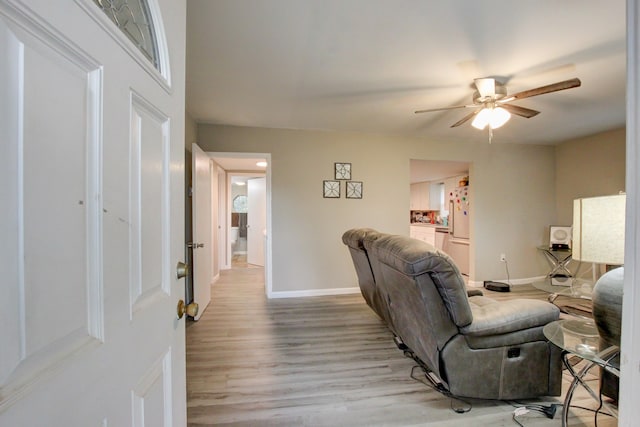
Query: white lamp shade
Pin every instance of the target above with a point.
(499, 116)
(494, 117)
(598, 229)
(482, 119)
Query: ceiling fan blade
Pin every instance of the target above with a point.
(444, 108)
(486, 87)
(567, 84)
(520, 111)
(466, 118)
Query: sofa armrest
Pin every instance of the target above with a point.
(495, 318)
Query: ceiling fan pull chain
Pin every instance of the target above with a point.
(490, 134)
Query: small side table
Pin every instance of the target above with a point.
(576, 295)
(579, 337)
(559, 260)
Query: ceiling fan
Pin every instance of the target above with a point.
(492, 105)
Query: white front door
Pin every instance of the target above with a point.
(202, 259)
(91, 217)
(256, 220)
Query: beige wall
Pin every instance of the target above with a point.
(586, 167)
(513, 196)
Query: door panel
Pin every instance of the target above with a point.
(201, 229)
(149, 395)
(148, 189)
(256, 220)
(91, 224)
(224, 255)
(215, 221)
(51, 219)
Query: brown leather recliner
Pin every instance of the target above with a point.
(476, 346)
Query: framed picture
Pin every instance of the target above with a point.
(343, 171)
(331, 189)
(354, 190)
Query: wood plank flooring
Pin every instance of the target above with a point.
(320, 361)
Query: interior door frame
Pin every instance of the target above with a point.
(220, 205)
(268, 276)
(202, 257)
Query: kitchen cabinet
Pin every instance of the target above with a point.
(440, 238)
(420, 196)
(425, 196)
(458, 250)
(434, 196)
(424, 233)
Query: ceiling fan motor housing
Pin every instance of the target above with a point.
(499, 93)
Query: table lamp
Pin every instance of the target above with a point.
(598, 230)
(598, 237)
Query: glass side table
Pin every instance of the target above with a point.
(559, 260)
(579, 337)
(576, 293)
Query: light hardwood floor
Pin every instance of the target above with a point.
(321, 361)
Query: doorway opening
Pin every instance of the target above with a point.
(244, 211)
(440, 200)
(247, 219)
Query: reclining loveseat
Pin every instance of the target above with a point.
(476, 347)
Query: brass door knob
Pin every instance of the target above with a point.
(181, 309)
(190, 309)
(182, 270)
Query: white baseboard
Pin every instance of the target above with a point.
(313, 293)
(523, 281)
(356, 290)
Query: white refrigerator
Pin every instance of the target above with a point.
(457, 245)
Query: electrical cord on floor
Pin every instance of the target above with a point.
(548, 410)
(517, 412)
(597, 411)
(584, 408)
(437, 386)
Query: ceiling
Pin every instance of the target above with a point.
(367, 65)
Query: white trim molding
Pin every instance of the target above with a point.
(630, 341)
(313, 293)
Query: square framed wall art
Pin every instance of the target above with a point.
(354, 189)
(343, 171)
(331, 189)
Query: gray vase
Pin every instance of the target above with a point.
(607, 314)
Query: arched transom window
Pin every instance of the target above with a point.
(133, 17)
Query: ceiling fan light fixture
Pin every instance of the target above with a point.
(499, 116)
(492, 116)
(482, 119)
